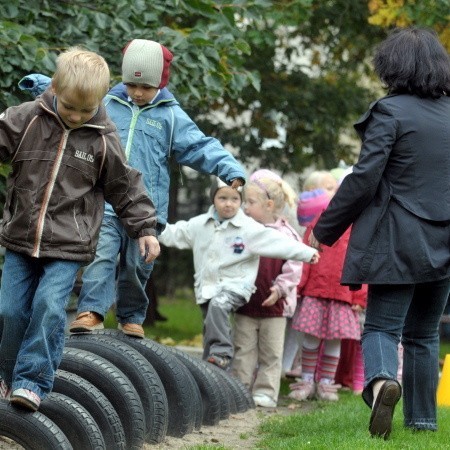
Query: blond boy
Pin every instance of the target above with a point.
(66, 161)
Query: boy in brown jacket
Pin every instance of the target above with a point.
(66, 161)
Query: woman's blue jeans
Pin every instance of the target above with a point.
(410, 313)
(98, 292)
(33, 296)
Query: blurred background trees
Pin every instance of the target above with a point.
(278, 82)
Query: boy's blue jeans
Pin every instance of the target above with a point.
(33, 296)
(98, 291)
(410, 312)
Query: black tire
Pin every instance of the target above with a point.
(31, 430)
(227, 401)
(238, 396)
(116, 387)
(245, 392)
(196, 397)
(74, 421)
(208, 384)
(96, 403)
(141, 374)
(173, 376)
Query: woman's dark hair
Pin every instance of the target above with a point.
(413, 61)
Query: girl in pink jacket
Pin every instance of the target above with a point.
(326, 315)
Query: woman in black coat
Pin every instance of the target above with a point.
(398, 200)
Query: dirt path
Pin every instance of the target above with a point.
(237, 432)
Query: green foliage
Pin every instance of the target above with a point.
(204, 36)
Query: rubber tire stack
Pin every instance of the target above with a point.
(116, 392)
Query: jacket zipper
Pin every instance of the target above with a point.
(48, 193)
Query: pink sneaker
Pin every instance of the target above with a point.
(328, 392)
(5, 391)
(303, 390)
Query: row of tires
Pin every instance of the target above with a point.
(116, 392)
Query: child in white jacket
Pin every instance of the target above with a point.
(226, 246)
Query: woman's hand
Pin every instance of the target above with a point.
(313, 242)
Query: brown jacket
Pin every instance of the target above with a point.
(60, 179)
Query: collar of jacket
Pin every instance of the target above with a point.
(100, 121)
(238, 220)
(119, 91)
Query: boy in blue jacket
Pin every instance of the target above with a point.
(152, 127)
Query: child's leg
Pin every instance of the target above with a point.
(41, 350)
(132, 300)
(292, 350)
(358, 370)
(19, 282)
(98, 290)
(245, 339)
(217, 329)
(305, 388)
(270, 345)
(344, 371)
(327, 389)
(329, 361)
(310, 356)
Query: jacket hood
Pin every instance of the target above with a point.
(100, 121)
(120, 91)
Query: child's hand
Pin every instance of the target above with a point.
(272, 298)
(149, 248)
(357, 308)
(237, 182)
(315, 258)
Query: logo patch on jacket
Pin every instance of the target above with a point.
(84, 156)
(154, 123)
(238, 245)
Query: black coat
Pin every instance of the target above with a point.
(398, 195)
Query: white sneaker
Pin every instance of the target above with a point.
(26, 398)
(264, 400)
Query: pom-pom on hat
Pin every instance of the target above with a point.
(217, 184)
(146, 62)
(310, 204)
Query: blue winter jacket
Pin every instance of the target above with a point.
(151, 134)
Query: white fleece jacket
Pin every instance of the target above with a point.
(226, 255)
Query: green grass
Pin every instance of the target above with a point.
(344, 425)
(184, 324)
(445, 348)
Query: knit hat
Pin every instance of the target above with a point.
(146, 62)
(217, 184)
(310, 204)
(265, 173)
